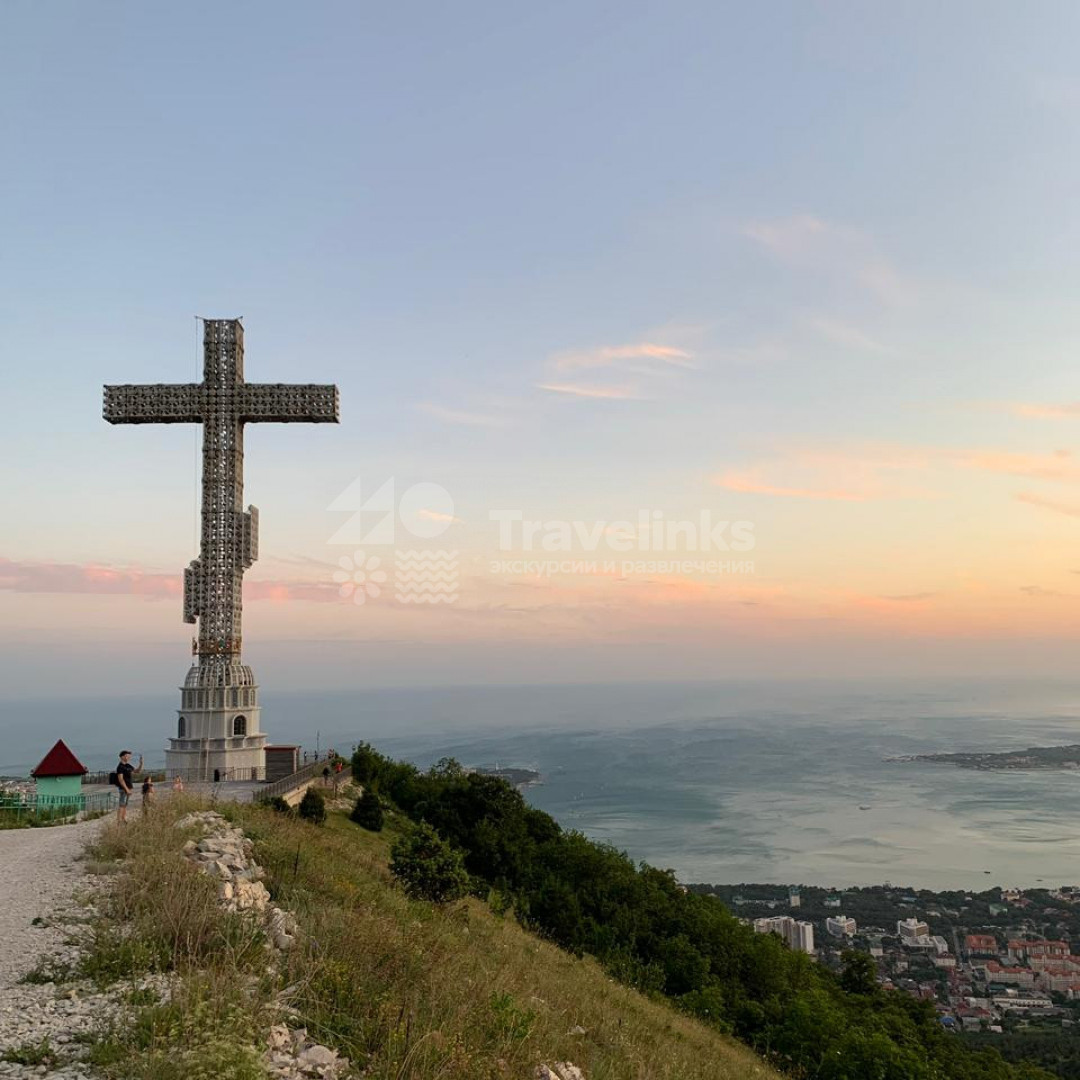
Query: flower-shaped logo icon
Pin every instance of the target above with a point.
(359, 577)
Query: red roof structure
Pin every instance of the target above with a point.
(59, 761)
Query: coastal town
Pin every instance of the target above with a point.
(994, 962)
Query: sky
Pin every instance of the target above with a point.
(806, 269)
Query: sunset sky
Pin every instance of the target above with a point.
(807, 266)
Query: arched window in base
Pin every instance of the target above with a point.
(239, 725)
(181, 728)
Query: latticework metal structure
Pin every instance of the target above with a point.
(218, 728)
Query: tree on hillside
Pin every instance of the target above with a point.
(368, 811)
(860, 973)
(428, 867)
(313, 807)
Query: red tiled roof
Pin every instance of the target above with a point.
(59, 761)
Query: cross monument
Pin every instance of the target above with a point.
(218, 732)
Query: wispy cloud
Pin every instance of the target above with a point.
(911, 598)
(460, 416)
(748, 484)
(608, 355)
(75, 578)
(855, 474)
(792, 237)
(826, 247)
(1047, 412)
(629, 367)
(865, 472)
(1038, 590)
(1058, 465)
(615, 393)
(50, 577)
(850, 337)
(437, 515)
(1057, 506)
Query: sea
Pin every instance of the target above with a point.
(724, 782)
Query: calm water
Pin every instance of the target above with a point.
(721, 782)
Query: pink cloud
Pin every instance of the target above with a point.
(820, 246)
(1056, 505)
(614, 393)
(75, 578)
(1048, 412)
(1058, 465)
(606, 355)
(747, 484)
(874, 472)
(460, 416)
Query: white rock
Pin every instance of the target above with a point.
(566, 1071)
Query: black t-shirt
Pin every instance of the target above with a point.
(124, 772)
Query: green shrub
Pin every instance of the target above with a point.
(279, 804)
(313, 807)
(368, 812)
(30, 1054)
(427, 867)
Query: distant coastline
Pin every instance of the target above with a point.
(515, 775)
(1034, 757)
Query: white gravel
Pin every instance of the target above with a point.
(39, 875)
(39, 872)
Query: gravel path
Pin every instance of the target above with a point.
(38, 873)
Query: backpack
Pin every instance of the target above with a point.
(114, 780)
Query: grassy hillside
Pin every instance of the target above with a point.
(418, 992)
(406, 990)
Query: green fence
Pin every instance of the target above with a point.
(20, 810)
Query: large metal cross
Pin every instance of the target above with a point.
(223, 403)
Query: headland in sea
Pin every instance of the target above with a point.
(723, 782)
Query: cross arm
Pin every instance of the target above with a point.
(157, 403)
(286, 403)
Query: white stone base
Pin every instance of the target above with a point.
(218, 731)
(217, 759)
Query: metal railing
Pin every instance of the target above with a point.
(302, 775)
(27, 808)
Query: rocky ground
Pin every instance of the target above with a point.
(39, 903)
(45, 896)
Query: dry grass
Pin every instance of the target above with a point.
(414, 993)
(406, 991)
(161, 916)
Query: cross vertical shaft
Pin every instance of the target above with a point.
(213, 584)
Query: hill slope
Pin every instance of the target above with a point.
(412, 991)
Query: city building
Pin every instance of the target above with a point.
(981, 945)
(1038, 952)
(1016, 1001)
(840, 926)
(1060, 980)
(1010, 976)
(797, 934)
(794, 899)
(910, 929)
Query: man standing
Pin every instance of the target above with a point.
(125, 774)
